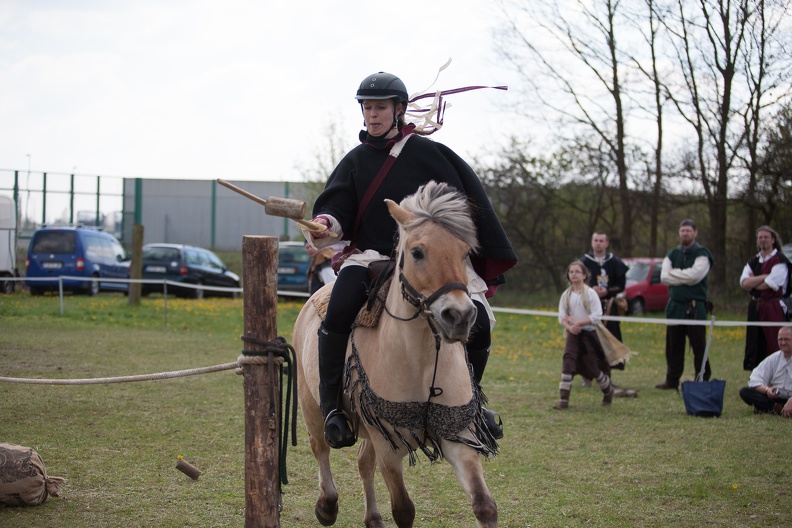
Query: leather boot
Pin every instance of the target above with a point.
(608, 393)
(338, 430)
(563, 402)
(478, 360)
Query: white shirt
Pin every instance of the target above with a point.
(777, 277)
(577, 310)
(677, 276)
(774, 371)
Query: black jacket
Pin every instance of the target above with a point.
(420, 161)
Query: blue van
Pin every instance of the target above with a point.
(75, 252)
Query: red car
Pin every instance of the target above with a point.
(644, 291)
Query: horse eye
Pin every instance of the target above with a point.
(417, 253)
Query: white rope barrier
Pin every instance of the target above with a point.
(649, 320)
(237, 364)
(124, 379)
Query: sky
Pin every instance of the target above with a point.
(232, 89)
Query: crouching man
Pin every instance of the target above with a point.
(769, 388)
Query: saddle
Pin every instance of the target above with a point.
(369, 315)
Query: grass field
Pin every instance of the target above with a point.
(641, 462)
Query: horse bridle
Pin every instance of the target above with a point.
(422, 304)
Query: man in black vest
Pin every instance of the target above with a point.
(766, 278)
(607, 277)
(685, 271)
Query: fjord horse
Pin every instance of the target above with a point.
(408, 386)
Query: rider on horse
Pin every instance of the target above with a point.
(392, 161)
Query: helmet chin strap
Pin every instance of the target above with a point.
(394, 125)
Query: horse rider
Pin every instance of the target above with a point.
(393, 159)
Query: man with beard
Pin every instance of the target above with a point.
(685, 271)
(766, 278)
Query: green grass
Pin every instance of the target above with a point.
(641, 462)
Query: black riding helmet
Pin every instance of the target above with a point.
(383, 85)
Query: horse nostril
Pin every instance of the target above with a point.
(456, 317)
(453, 316)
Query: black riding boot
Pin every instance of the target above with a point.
(332, 351)
(478, 360)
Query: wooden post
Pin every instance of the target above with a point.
(136, 265)
(262, 398)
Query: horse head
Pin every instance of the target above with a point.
(436, 235)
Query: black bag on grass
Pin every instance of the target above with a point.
(704, 398)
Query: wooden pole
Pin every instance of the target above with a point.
(262, 397)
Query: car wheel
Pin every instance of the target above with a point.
(636, 306)
(93, 289)
(198, 293)
(7, 287)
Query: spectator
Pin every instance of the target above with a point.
(607, 277)
(579, 310)
(766, 277)
(685, 271)
(320, 272)
(770, 385)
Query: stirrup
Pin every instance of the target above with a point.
(338, 430)
(494, 423)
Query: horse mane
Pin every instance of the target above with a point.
(445, 205)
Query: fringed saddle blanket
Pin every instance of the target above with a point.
(409, 419)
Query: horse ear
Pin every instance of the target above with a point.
(400, 214)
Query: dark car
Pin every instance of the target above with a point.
(76, 252)
(644, 291)
(189, 265)
(293, 264)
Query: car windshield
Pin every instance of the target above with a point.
(294, 255)
(161, 253)
(638, 271)
(55, 242)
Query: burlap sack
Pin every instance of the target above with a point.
(615, 351)
(23, 479)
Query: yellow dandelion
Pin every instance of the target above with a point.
(734, 486)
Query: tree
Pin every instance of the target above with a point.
(766, 77)
(324, 160)
(584, 88)
(774, 185)
(712, 43)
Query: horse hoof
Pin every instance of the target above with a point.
(325, 513)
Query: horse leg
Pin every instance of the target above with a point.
(402, 507)
(367, 464)
(467, 467)
(326, 510)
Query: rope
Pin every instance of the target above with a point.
(123, 379)
(650, 320)
(281, 349)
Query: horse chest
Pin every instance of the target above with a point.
(416, 423)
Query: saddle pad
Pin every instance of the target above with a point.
(366, 318)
